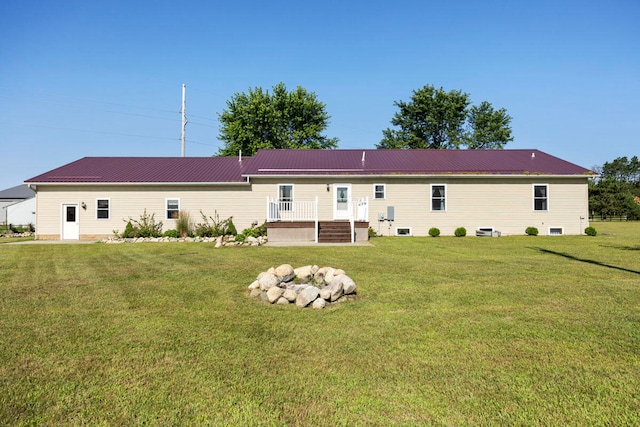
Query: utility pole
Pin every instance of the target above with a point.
(184, 114)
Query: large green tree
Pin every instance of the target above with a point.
(616, 192)
(435, 118)
(488, 128)
(280, 119)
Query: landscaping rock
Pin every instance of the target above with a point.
(274, 294)
(335, 290)
(268, 281)
(319, 303)
(290, 295)
(285, 273)
(348, 285)
(282, 285)
(307, 296)
(282, 301)
(303, 273)
(325, 294)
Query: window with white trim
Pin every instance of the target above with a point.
(403, 231)
(540, 197)
(285, 197)
(556, 231)
(173, 208)
(438, 197)
(102, 209)
(379, 191)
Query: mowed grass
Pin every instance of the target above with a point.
(445, 331)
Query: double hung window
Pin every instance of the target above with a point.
(438, 197)
(173, 208)
(541, 197)
(102, 208)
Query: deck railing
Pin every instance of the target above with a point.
(291, 211)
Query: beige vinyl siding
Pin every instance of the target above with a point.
(503, 203)
(131, 201)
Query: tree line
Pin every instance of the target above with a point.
(616, 193)
(432, 118)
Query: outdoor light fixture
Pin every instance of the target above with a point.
(327, 187)
(84, 206)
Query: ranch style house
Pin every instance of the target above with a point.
(320, 195)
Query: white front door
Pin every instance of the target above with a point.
(70, 223)
(341, 201)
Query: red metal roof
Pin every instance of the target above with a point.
(308, 162)
(146, 170)
(410, 162)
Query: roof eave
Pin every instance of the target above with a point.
(234, 183)
(421, 175)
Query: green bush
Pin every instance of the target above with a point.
(434, 232)
(128, 231)
(460, 232)
(214, 228)
(372, 233)
(256, 231)
(231, 229)
(240, 237)
(531, 231)
(590, 231)
(146, 226)
(171, 233)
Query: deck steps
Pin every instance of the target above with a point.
(334, 232)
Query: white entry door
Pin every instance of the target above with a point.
(341, 201)
(70, 223)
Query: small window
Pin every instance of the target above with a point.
(540, 197)
(438, 198)
(379, 191)
(403, 231)
(556, 231)
(173, 208)
(285, 197)
(102, 208)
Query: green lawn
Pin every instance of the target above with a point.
(445, 331)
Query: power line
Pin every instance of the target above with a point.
(88, 131)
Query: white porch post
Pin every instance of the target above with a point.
(316, 219)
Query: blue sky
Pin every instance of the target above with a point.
(81, 78)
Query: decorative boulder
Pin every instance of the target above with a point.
(282, 301)
(325, 294)
(348, 285)
(335, 290)
(274, 294)
(320, 275)
(319, 303)
(285, 273)
(267, 281)
(307, 296)
(303, 273)
(290, 295)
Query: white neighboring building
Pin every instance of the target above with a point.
(21, 213)
(13, 210)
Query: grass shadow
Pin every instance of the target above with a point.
(623, 248)
(588, 261)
